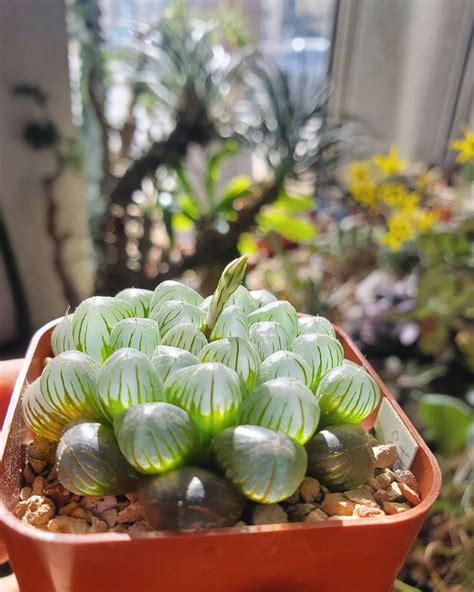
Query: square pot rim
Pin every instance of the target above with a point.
(9, 521)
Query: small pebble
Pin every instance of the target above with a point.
(407, 477)
(385, 455)
(29, 474)
(98, 525)
(381, 496)
(409, 494)
(394, 493)
(363, 511)
(372, 440)
(42, 449)
(385, 478)
(309, 489)
(59, 494)
(316, 515)
(38, 466)
(395, 508)
(97, 504)
(374, 483)
(38, 486)
(139, 527)
(298, 512)
(86, 515)
(269, 514)
(118, 528)
(336, 503)
(131, 513)
(67, 509)
(361, 496)
(109, 516)
(25, 493)
(293, 499)
(36, 510)
(68, 525)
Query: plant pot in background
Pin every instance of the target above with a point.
(362, 555)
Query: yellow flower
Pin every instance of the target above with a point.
(424, 219)
(390, 163)
(359, 172)
(400, 230)
(393, 194)
(365, 193)
(410, 201)
(391, 241)
(465, 147)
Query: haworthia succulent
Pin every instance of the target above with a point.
(173, 313)
(172, 290)
(322, 353)
(167, 359)
(285, 364)
(126, 379)
(279, 312)
(93, 322)
(232, 322)
(139, 299)
(269, 337)
(43, 419)
(262, 297)
(243, 299)
(186, 336)
(315, 324)
(236, 353)
(137, 333)
(61, 338)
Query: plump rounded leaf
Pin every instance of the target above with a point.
(279, 312)
(262, 297)
(173, 313)
(93, 322)
(285, 363)
(137, 333)
(68, 384)
(156, 437)
(61, 337)
(322, 353)
(340, 457)
(347, 394)
(167, 359)
(236, 353)
(172, 290)
(210, 393)
(189, 498)
(242, 298)
(40, 416)
(186, 336)
(126, 379)
(285, 405)
(315, 324)
(269, 337)
(139, 299)
(90, 463)
(264, 465)
(206, 303)
(232, 322)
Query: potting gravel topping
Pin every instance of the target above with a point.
(205, 413)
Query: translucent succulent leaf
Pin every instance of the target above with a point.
(173, 313)
(172, 290)
(206, 303)
(281, 312)
(347, 394)
(90, 463)
(93, 322)
(167, 359)
(40, 416)
(340, 457)
(269, 337)
(322, 353)
(156, 437)
(137, 333)
(139, 299)
(263, 297)
(264, 465)
(189, 498)
(285, 363)
(315, 324)
(61, 337)
(232, 322)
(236, 353)
(285, 405)
(187, 337)
(68, 385)
(242, 298)
(209, 392)
(126, 379)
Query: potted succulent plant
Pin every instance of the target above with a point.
(159, 440)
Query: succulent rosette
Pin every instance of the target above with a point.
(284, 405)
(172, 290)
(43, 419)
(316, 324)
(61, 338)
(269, 337)
(126, 379)
(173, 314)
(321, 352)
(242, 298)
(347, 394)
(186, 336)
(210, 392)
(236, 353)
(139, 299)
(93, 322)
(281, 312)
(262, 297)
(167, 359)
(232, 322)
(137, 333)
(285, 364)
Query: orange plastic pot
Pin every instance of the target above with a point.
(362, 555)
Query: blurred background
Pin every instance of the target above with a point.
(331, 140)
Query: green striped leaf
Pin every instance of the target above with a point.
(68, 385)
(285, 363)
(90, 463)
(40, 416)
(126, 379)
(156, 437)
(242, 298)
(262, 297)
(139, 299)
(316, 324)
(61, 337)
(322, 353)
(232, 322)
(236, 353)
(347, 394)
(264, 465)
(137, 333)
(285, 405)
(209, 392)
(93, 322)
(187, 337)
(167, 359)
(173, 313)
(279, 312)
(269, 337)
(340, 457)
(172, 290)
